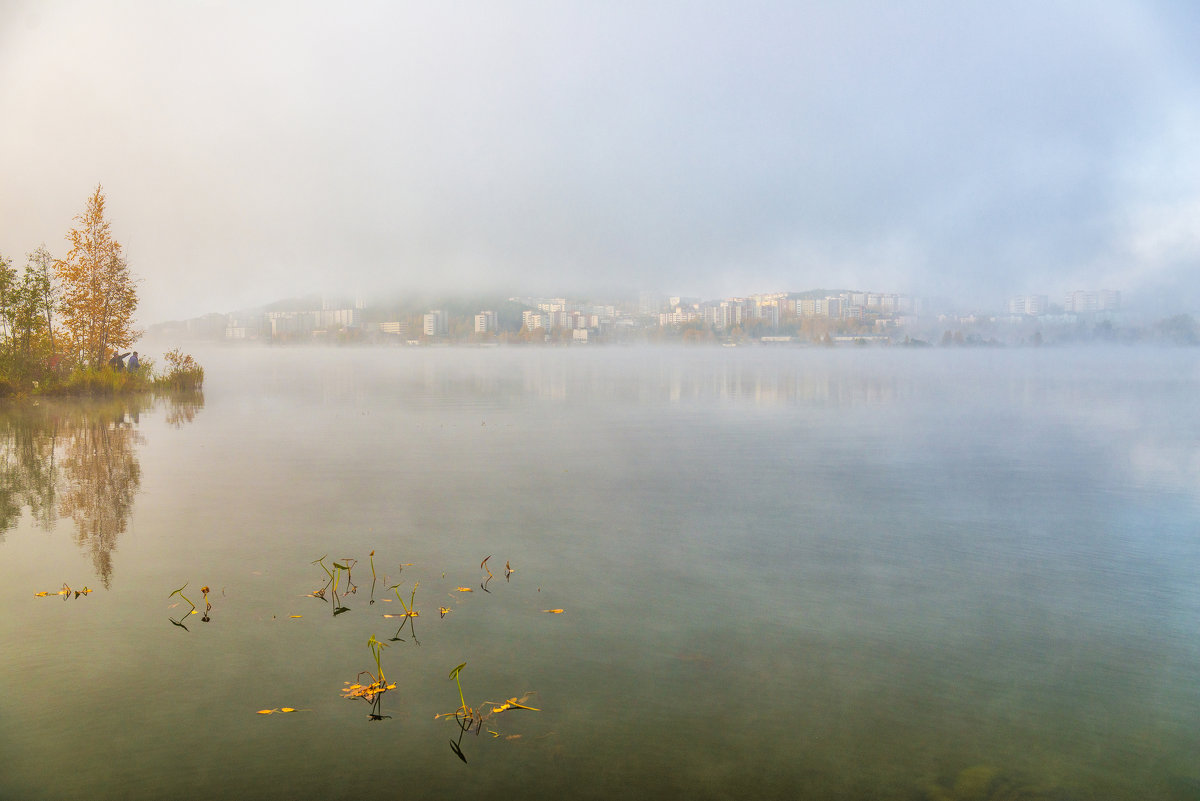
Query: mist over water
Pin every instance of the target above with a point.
(818, 574)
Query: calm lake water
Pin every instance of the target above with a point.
(844, 574)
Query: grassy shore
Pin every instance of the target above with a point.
(182, 373)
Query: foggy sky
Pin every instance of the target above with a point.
(252, 151)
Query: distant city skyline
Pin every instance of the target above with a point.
(814, 316)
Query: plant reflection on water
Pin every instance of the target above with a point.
(78, 460)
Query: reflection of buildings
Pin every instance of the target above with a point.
(78, 460)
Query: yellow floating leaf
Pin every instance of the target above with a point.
(442, 611)
(295, 616)
(553, 611)
(464, 589)
(40, 594)
(287, 709)
(265, 711)
(513, 703)
(192, 612)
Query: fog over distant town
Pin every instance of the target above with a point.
(965, 151)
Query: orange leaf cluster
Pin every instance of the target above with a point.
(367, 691)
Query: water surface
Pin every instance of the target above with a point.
(847, 574)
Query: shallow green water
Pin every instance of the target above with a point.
(784, 573)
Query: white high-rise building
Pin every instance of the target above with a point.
(485, 322)
(437, 323)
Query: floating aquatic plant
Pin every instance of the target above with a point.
(454, 675)
(371, 556)
(332, 582)
(512, 703)
(410, 612)
(373, 691)
(66, 592)
(469, 718)
(347, 564)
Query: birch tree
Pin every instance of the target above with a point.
(39, 274)
(99, 295)
(8, 285)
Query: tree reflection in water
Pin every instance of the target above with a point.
(78, 460)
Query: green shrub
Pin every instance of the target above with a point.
(183, 372)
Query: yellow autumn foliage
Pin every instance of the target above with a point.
(99, 294)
